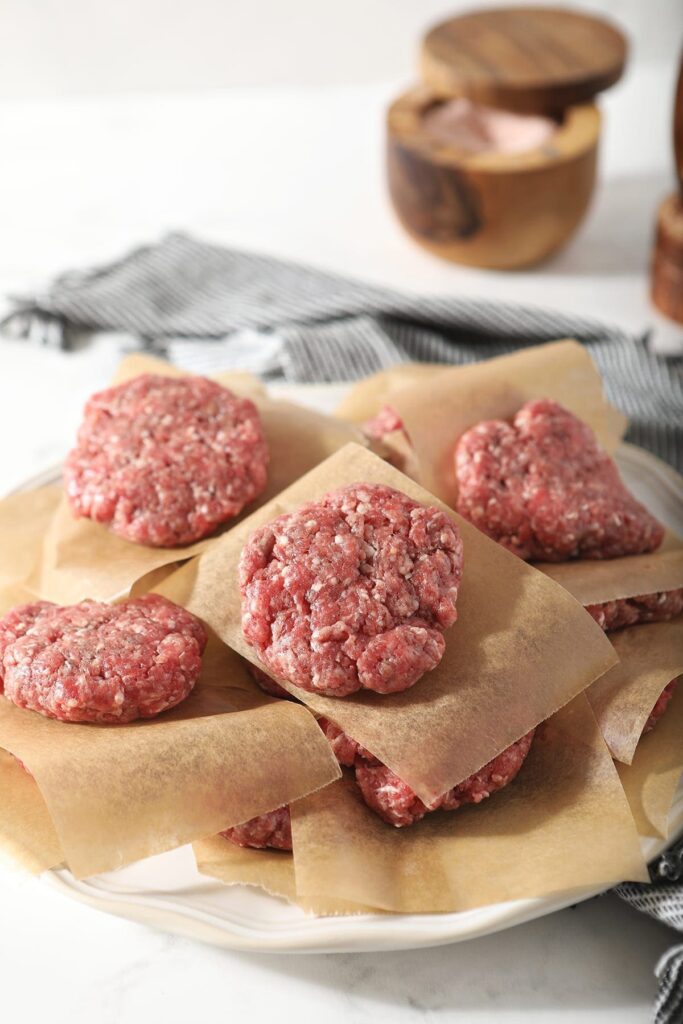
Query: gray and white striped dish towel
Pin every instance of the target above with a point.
(207, 307)
(663, 900)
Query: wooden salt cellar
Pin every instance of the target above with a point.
(496, 209)
(667, 261)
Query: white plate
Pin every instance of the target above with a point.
(167, 892)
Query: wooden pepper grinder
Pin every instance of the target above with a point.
(667, 260)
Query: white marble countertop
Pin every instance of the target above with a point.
(297, 173)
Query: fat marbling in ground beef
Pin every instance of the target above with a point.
(543, 488)
(352, 591)
(94, 662)
(164, 461)
(630, 611)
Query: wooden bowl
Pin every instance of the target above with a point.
(667, 259)
(489, 209)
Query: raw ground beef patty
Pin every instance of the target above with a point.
(543, 488)
(352, 591)
(272, 830)
(347, 751)
(660, 706)
(629, 611)
(386, 421)
(93, 662)
(397, 804)
(165, 460)
(383, 792)
(391, 798)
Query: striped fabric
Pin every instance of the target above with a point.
(197, 303)
(663, 900)
(212, 308)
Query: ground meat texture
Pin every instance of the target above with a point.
(543, 488)
(272, 830)
(387, 421)
(165, 461)
(629, 611)
(391, 798)
(347, 751)
(660, 706)
(388, 796)
(352, 591)
(383, 792)
(397, 804)
(17, 622)
(95, 662)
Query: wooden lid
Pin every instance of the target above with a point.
(528, 59)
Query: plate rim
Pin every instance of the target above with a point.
(330, 934)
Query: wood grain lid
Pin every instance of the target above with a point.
(528, 59)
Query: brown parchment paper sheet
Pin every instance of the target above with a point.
(595, 582)
(564, 823)
(367, 396)
(651, 655)
(13, 594)
(83, 559)
(120, 793)
(138, 363)
(270, 870)
(27, 835)
(651, 780)
(671, 542)
(396, 449)
(24, 520)
(522, 646)
(438, 404)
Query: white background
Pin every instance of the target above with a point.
(260, 125)
(66, 47)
